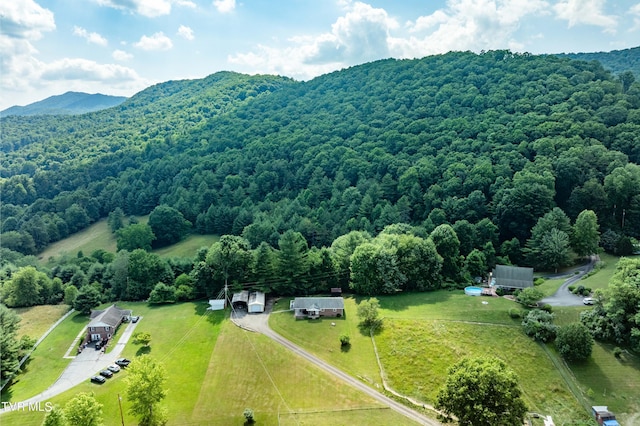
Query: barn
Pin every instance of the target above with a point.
(512, 277)
(240, 300)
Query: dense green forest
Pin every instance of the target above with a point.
(486, 157)
(616, 61)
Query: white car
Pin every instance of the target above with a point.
(113, 368)
(588, 300)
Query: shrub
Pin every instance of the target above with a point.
(248, 414)
(572, 288)
(617, 352)
(538, 281)
(515, 313)
(344, 340)
(529, 296)
(574, 342)
(538, 324)
(500, 291)
(547, 308)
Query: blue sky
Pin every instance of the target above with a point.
(119, 47)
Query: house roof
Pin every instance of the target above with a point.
(112, 316)
(318, 303)
(256, 297)
(513, 276)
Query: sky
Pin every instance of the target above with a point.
(120, 47)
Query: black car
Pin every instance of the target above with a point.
(122, 362)
(98, 379)
(106, 373)
(98, 346)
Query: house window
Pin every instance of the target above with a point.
(108, 336)
(92, 329)
(335, 310)
(107, 328)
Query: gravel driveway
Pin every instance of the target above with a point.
(563, 297)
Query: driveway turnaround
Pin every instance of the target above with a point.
(87, 363)
(260, 323)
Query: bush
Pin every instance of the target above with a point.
(248, 414)
(547, 308)
(344, 340)
(500, 292)
(538, 324)
(574, 342)
(529, 296)
(515, 313)
(617, 352)
(538, 281)
(572, 288)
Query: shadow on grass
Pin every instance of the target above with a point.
(144, 350)
(402, 301)
(345, 348)
(213, 317)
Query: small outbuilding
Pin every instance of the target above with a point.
(216, 304)
(256, 302)
(512, 277)
(240, 300)
(316, 307)
(336, 292)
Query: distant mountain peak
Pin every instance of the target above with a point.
(69, 103)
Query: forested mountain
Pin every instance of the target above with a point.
(66, 104)
(492, 141)
(616, 61)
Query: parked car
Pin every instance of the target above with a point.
(98, 379)
(98, 346)
(106, 373)
(122, 362)
(113, 368)
(588, 300)
(135, 319)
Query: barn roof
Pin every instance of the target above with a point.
(243, 296)
(112, 316)
(513, 276)
(318, 303)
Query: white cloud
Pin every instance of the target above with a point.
(635, 12)
(25, 19)
(225, 6)
(157, 41)
(148, 8)
(361, 35)
(467, 25)
(121, 55)
(588, 12)
(185, 32)
(86, 70)
(94, 38)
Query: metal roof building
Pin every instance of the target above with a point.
(512, 277)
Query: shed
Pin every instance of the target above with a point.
(336, 292)
(216, 304)
(256, 302)
(512, 277)
(240, 300)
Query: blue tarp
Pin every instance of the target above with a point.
(610, 423)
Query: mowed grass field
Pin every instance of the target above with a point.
(99, 236)
(36, 320)
(216, 370)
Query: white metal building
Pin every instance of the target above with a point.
(256, 302)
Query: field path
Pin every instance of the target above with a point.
(259, 323)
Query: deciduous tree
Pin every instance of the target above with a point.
(585, 236)
(574, 342)
(83, 410)
(146, 388)
(482, 392)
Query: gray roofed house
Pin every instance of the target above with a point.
(316, 307)
(104, 322)
(512, 277)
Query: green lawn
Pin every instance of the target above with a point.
(188, 247)
(417, 353)
(96, 236)
(215, 370)
(36, 320)
(601, 278)
(323, 340)
(46, 363)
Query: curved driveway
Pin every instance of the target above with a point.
(563, 297)
(260, 323)
(81, 368)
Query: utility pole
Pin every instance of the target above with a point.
(120, 404)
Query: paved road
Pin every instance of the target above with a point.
(260, 323)
(563, 297)
(86, 364)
